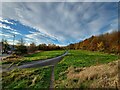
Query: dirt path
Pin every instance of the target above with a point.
(35, 64)
(52, 78)
(46, 62)
(49, 62)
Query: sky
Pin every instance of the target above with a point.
(59, 23)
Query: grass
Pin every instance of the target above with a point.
(80, 58)
(37, 56)
(40, 77)
(27, 78)
(43, 55)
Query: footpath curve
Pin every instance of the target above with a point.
(39, 63)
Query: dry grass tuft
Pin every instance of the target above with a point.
(99, 76)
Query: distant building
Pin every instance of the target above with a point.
(9, 50)
(0, 47)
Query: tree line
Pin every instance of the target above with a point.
(108, 42)
(20, 48)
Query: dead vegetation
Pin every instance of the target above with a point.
(99, 76)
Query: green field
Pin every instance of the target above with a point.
(37, 56)
(40, 77)
(27, 78)
(80, 58)
(30, 78)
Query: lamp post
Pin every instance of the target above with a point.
(13, 41)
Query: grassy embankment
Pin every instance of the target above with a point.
(75, 62)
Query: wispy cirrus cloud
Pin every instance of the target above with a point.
(6, 21)
(62, 22)
(9, 29)
(30, 35)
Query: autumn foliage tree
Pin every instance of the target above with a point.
(109, 42)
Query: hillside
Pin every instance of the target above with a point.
(109, 42)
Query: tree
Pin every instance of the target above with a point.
(42, 47)
(100, 46)
(71, 46)
(93, 44)
(21, 48)
(5, 46)
(108, 42)
(32, 47)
